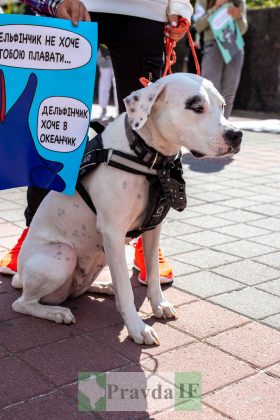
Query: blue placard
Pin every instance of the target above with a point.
(47, 74)
(226, 32)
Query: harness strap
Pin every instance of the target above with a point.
(129, 163)
(85, 196)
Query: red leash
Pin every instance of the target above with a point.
(170, 55)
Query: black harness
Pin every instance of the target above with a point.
(164, 173)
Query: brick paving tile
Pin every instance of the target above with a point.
(239, 215)
(271, 287)
(9, 241)
(250, 399)
(272, 259)
(202, 319)
(193, 202)
(68, 357)
(250, 302)
(218, 369)
(19, 382)
(266, 209)
(27, 332)
(211, 197)
(93, 312)
(205, 258)
(211, 208)
(5, 284)
(178, 228)
(6, 311)
(207, 238)
(273, 321)
(254, 343)
(269, 223)
(248, 272)
(12, 215)
(272, 239)
(205, 284)
(2, 353)
(46, 407)
(117, 338)
(238, 203)
(209, 222)
(8, 205)
(275, 370)
(8, 229)
(244, 248)
(176, 246)
(242, 231)
(182, 268)
(206, 413)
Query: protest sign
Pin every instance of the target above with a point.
(47, 74)
(226, 32)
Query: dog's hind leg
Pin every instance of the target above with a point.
(47, 276)
(101, 287)
(102, 281)
(160, 305)
(16, 282)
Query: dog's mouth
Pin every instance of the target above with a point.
(197, 154)
(232, 150)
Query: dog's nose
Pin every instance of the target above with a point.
(233, 137)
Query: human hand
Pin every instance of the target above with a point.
(235, 12)
(73, 10)
(174, 31)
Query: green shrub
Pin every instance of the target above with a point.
(257, 4)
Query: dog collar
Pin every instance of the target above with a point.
(151, 157)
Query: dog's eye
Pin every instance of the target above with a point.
(198, 109)
(194, 104)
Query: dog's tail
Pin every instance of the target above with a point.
(2, 97)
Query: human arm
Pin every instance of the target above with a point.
(240, 14)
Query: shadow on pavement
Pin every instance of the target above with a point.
(206, 165)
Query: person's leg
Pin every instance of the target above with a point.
(230, 81)
(104, 86)
(212, 64)
(136, 48)
(35, 196)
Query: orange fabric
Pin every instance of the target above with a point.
(165, 269)
(10, 259)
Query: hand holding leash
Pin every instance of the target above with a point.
(177, 29)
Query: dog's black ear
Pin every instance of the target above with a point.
(139, 103)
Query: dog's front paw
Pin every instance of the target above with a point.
(143, 334)
(163, 309)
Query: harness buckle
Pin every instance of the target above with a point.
(109, 155)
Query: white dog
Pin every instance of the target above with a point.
(68, 245)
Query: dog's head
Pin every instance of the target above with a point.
(184, 110)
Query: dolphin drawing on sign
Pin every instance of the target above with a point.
(20, 163)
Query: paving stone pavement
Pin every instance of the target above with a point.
(225, 249)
